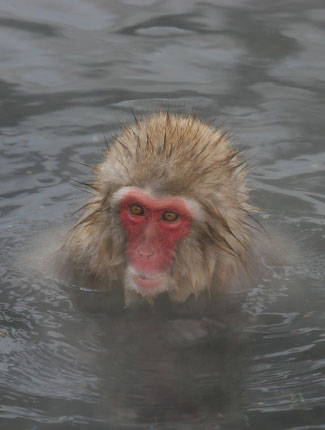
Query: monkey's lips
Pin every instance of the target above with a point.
(145, 280)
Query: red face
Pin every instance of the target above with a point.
(153, 227)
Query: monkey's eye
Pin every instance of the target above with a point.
(136, 210)
(170, 216)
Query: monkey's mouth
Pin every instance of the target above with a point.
(148, 280)
(149, 276)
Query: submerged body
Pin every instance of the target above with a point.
(170, 213)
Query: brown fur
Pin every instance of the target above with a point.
(174, 155)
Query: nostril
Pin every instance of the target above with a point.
(148, 255)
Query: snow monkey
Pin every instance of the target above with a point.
(169, 213)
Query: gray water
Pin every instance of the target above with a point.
(73, 70)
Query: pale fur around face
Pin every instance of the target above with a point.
(169, 155)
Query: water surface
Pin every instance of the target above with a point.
(73, 70)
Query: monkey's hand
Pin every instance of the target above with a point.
(187, 333)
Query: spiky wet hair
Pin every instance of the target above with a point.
(171, 155)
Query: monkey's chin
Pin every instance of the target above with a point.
(146, 284)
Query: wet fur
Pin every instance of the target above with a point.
(170, 155)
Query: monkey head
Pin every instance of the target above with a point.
(169, 211)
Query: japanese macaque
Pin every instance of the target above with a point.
(170, 213)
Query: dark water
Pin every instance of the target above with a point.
(73, 69)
